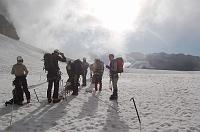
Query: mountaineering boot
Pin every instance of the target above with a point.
(75, 93)
(114, 96)
(19, 103)
(100, 87)
(96, 87)
(6, 103)
(28, 101)
(9, 102)
(56, 100)
(49, 100)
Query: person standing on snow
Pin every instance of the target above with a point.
(69, 70)
(84, 74)
(113, 76)
(20, 71)
(77, 70)
(53, 76)
(98, 69)
(91, 73)
(70, 80)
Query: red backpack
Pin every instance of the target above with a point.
(120, 64)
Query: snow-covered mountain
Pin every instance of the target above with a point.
(10, 49)
(167, 101)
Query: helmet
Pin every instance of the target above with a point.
(19, 58)
(111, 55)
(56, 51)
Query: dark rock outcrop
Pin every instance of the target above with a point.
(7, 29)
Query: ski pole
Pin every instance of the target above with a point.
(136, 111)
(11, 112)
(36, 95)
(12, 108)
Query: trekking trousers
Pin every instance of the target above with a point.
(21, 81)
(56, 88)
(76, 83)
(98, 80)
(84, 77)
(114, 84)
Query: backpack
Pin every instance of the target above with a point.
(17, 93)
(49, 62)
(120, 64)
(99, 67)
(77, 67)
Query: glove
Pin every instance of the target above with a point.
(107, 66)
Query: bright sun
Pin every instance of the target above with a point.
(116, 15)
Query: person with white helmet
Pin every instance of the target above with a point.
(20, 71)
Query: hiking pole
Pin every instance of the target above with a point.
(36, 95)
(136, 111)
(61, 84)
(110, 86)
(40, 77)
(64, 91)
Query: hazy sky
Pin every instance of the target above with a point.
(79, 27)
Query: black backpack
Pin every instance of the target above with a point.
(17, 93)
(49, 64)
(77, 67)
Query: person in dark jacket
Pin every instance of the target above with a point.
(77, 70)
(53, 76)
(91, 73)
(69, 83)
(84, 74)
(69, 70)
(113, 76)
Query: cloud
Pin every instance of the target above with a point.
(62, 24)
(167, 26)
(160, 26)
